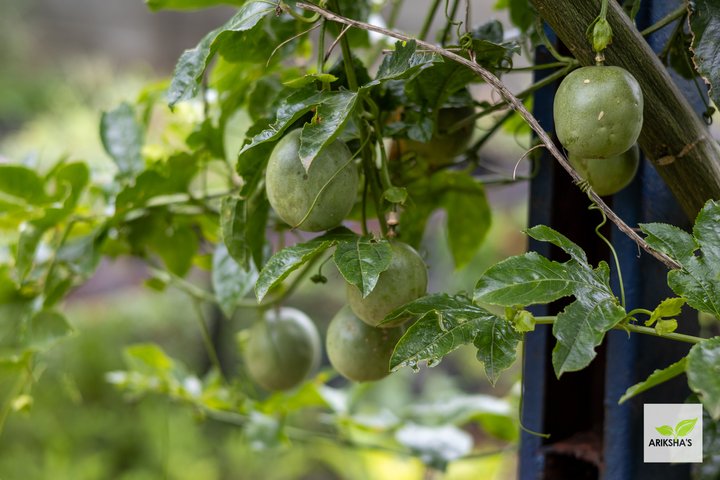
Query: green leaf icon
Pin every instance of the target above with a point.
(665, 430)
(684, 427)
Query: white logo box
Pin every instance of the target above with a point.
(672, 433)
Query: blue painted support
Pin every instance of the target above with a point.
(593, 436)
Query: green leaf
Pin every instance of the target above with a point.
(289, 259)
(23, 184)
(698, 281)
(670, 307)
(663, 327)
(310, 78)
(333, 109)
(705, 26)
(656, 378)
(27, 244)
(156, 5)
(468, 217)
(601, 35)
(362, 260)
(176, 245)
(230, 281)
(243, 228)
(496, 342)
(331, 115)
(432, 86)
(403, 63)
(665, 430)
(544, 233)
(192, 64)
(446, 323)
(581, 327)
(703, 371)
(123, 138)
(45, 328)
(669, 239)
(524, 280)
(684, 427)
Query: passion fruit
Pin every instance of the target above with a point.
(607, 176)
(598, 111)
(314, 200)
(358, 351)
(281, 349)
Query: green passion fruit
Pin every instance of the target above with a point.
(314, 200)
(358, 351)
(608, 176)
(282, 348)
(405, 280)
(598, 111)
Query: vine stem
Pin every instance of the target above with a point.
(428, 20)
(207, 339)
(516, 105)
(669, 18)
(627, 327)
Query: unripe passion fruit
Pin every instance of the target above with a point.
(358, 351)
(282, 349)
(608, 176)
(405, 280)
(598, 111)
(318, 199)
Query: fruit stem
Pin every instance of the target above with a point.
(628, 327)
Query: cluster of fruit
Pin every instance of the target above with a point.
(284, 346)
(598, 114)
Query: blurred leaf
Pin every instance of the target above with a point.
(362, 260)
(148, 358)
(436, 446)
(705, 26)
(28, 241)
(123, 138)
(23, 184)
(468, 216)
(243, 226)
(703, 371)
(445, 323)
(431, 88)
(45, 328)
(191, 66)
(263, 432)
(168, 178)
(289, 259)
(459, 409)
(709, 469)
(176, 245)
(156, 5)
(395, 195)
(230, 281)
(522, 14)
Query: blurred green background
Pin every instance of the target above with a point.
(65, 61)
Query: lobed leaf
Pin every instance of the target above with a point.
(230, 281)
